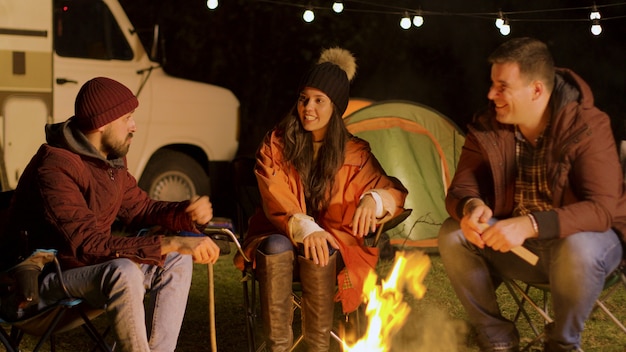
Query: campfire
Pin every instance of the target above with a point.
(386, 309)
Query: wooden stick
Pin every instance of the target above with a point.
(525, 254)
(521, 251)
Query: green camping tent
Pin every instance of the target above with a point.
(419, 146)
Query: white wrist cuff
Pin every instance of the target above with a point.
(302, 225)
(378, 200)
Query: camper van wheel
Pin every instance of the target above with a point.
(174, 176)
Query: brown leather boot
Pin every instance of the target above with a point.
(318, 291)
(275, 275)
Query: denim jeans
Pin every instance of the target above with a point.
(575, 268)
(120, 286)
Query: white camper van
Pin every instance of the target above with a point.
(186, 130)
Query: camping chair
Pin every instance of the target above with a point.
(65, 315)
(248, 199)
(520, 292)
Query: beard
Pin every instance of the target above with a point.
(114, 147)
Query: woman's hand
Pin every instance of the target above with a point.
(316, 247)
(364, 220)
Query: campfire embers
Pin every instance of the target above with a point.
(386, 310)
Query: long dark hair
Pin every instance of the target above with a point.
(318, 175)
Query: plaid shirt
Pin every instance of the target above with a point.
(532, 192)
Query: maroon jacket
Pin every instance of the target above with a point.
(68, 197)
(583, 168)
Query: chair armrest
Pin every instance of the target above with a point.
(388, 225)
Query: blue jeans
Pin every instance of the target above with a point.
(120, 286)
(575, 268)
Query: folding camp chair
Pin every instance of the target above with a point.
(248, 199)
(65, 315)
(520, 292)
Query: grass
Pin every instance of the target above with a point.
(436, 322)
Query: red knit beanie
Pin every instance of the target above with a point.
(100, 101)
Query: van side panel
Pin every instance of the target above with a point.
(25, 83)
(28, 71)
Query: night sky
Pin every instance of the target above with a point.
(259, 50)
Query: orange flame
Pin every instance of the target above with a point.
(386, 309)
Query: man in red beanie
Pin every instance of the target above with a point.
(72, 191)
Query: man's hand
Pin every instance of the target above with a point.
(202, 249)
(364, 220)
(508, 233)
(200, 209)
(474, 223)
(316, 247)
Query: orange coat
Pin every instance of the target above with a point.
(283, 196)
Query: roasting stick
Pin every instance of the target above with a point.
(521, 251)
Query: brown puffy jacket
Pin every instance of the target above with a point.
(584, 172)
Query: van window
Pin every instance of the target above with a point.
(87, 29)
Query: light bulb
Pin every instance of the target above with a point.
(418, 20)
(338, 6)
(500, 20)
(211, 4)
(405, 22)
(596, 28)
(308, 15)
(595, 14)
(505, 29)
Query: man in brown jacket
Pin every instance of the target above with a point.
(539, 168)
(68, 197)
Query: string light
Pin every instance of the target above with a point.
(595, 16)
(405, 22)
(308, 16)
(211, 4)
(338, 7)
(596, 28)
(505, 29)
(418, 19)
(501, 21)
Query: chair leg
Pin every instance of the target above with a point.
(516, 292)
(48, 334)
(605, 296)
(250, 307)
(7, 341)
(600, 304)
(95, 336)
